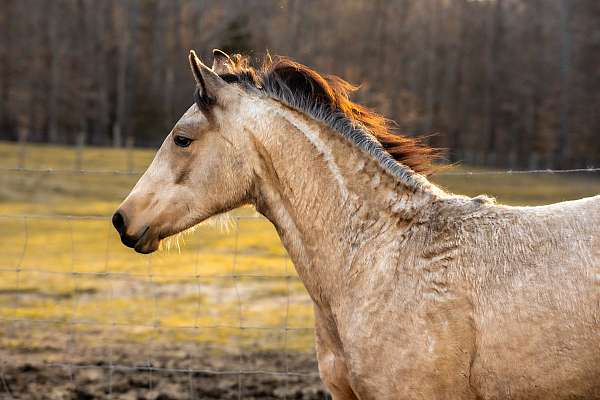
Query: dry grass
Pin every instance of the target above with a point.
(76, 270)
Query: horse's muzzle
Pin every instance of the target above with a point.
(138, 242)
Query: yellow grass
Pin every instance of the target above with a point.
(71, 270)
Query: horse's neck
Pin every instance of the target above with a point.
(336, 210)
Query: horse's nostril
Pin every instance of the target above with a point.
(119, 222)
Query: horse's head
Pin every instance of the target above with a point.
(199, 171)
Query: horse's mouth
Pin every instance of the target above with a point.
(144, 243)
(148, 247)
(147, 243)
(146, 240)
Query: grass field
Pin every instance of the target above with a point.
(69, 272)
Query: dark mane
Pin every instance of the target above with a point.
(326, 97)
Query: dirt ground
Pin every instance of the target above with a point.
(172, 375)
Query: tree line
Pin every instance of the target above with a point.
(508, 83)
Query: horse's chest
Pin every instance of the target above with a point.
(393, 354)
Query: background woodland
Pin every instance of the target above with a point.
(506, 83)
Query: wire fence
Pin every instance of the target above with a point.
(229, 309)
(130, 166)
(86, 311)
(74, 324)
(138, 173)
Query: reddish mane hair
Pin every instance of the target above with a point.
(299, 81)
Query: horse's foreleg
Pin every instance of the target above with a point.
(332, 368)
(335, 376)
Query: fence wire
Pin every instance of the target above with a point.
(60, 171)
(77, 328)
(112, 365)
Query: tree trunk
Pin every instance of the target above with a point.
(5, 68)
(457, 90)
(430, 82)
(561, 149)
(492, 78)
(54, 73)
(125, 72)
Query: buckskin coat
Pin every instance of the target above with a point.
(418, 293)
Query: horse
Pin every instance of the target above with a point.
(418, 293)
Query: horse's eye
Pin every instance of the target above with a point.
(182, 141)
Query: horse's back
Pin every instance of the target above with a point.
(537, 316)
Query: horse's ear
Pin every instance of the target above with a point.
(207, 81)
(221, 62)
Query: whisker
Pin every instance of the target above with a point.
(223, 222)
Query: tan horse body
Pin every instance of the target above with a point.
(419, 294)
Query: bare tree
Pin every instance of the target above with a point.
(503, 82)
(565, 72)
(125, 69)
